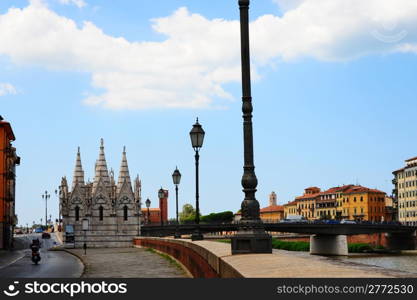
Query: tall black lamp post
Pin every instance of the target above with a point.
(251, 236)
(197, 137)
(59, 204)
(148, 204)
(46, 196)
(176, 178)
(161, 195)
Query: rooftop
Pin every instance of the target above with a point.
(272, 208)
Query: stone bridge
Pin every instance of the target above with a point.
(325, 239)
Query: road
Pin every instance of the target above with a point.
(58, 264)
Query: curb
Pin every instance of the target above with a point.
(84, 263)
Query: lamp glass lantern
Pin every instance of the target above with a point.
(197, 136)
(176, 176)
(161, 193)
(148, 203)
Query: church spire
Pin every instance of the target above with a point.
(101, 168)
(124, 172)
(78, 171)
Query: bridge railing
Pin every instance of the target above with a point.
(293, 227)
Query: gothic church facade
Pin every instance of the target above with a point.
(111, 210)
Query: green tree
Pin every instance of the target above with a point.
(225, 216)
(187, 214)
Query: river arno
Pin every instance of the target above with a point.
(401, 262)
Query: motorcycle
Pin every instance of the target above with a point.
(36, 257)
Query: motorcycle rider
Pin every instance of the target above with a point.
(36, 257)
(36, 244)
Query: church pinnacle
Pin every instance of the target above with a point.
(78, 171)
(101, 168)
(124, 172)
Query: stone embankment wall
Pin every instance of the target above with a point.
(199, 261)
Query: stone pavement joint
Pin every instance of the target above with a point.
(126, 263)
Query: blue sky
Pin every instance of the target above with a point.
(331, 106)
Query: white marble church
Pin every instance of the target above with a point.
(111, 210)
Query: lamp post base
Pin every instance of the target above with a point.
(197, 235)
(251, 240)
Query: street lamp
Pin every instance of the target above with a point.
(148, 204)
(46, 196)
(85, 228)
(197, 137)
(176, 178)
(139, 216)
(251, 236)
(161, 195)
(59, 205)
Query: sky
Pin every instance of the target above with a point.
(333, 93)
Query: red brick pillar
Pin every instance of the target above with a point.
(163, 206)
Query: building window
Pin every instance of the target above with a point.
(100, 213)
(77, 213)
(125, 213)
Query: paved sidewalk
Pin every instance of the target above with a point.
(9, 257)
(126, 263)
(288, 264)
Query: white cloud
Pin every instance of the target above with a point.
(199, 56)
(7, 89)
(186, 70)
(286, 5)
(78, 3)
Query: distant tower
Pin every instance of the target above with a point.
(273, 199)
(163, 206)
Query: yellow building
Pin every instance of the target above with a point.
(306, 204)
(405, 192)
(273, 212)
(327, 204)
(361, 204)
(290, 209)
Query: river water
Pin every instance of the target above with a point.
(403, 262)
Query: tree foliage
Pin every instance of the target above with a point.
(221, 217)
(187, 215)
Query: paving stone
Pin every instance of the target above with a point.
(126, 263)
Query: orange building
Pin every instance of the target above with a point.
(154, 216)
(8, 162)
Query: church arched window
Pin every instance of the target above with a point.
(77, 213)
(100, 212)
(125, 213)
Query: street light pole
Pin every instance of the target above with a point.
(161, 195)
(148, 204)
(176, 178)
(59, 204)
(46, 196)
(197, 137)
(139, 216)
(251, 236)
